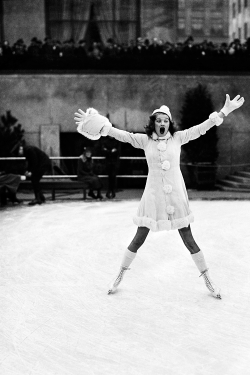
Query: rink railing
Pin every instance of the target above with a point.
(56, 176)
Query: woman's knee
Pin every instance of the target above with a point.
(188, 240)
(139, 239)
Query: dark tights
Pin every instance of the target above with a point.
(185, 234)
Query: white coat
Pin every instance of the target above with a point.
(164, 204)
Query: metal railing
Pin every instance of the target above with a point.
(76, 158)
(123, 158)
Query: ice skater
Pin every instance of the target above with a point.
(164, 204)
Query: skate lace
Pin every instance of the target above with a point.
(208, 282)
(120, 276)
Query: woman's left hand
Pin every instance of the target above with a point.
(231, 105)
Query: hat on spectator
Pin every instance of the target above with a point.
(163, 109)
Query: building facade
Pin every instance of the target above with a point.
(124, 20)
(239, 19)
(203, 19)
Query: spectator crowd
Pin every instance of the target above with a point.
(141, 54)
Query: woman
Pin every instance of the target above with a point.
(85, 173)
(164, 204)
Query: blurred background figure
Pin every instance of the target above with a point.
(9, 184)
(111, 149)
(85, 173)
(38, 163)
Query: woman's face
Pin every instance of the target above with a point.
(88, 154)
(161, 124)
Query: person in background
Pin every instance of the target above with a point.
(9, 184)
(85, 173)
(38, 163)
(111, 149)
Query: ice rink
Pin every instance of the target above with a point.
(57, 261)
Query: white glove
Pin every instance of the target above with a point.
(231, 105)
(91, 124)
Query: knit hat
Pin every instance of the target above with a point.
(163, 109)
(94, 125)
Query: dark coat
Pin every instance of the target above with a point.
(38, 161)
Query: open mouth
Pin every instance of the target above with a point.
(162, 129)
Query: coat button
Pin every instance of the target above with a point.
(165, 165)
(162, 146)
(170, 210)
(167, 189)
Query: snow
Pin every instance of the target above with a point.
(57, 261)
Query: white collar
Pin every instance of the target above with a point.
(155, 137)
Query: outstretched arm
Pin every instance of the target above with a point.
(214, 119)
(93, 125)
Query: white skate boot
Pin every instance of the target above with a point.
(114, 285)
(215, 291)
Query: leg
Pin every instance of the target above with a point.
(94, 184)
(91, 194)
(199, 260)
(35, 179)
(129, 256)
(113, 182)
(188, 239)
(138, 239)
(12, 196)
(99, 195)
(3, 196)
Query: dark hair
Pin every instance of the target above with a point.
(150, 127)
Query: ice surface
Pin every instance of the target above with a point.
(56, 318)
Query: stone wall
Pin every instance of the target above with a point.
(51, 100)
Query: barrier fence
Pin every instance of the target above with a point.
(55, 176)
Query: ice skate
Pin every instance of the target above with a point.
(215, 291)
(114, 285)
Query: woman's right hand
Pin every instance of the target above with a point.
(79, 116)
(91, 124)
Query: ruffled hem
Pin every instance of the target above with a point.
(160, 225)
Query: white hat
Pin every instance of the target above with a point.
(163, 109)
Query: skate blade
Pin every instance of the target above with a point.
(217, 296)
(111, 291)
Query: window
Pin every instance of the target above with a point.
(245, 30)
(1, 21)
(216, 27)
(239, 6)
(245, 4)
(117, 19)
(217, 4)
(239, 33)
(197, 26)
(181, 26)
(181, 4)
(234, 10)
(198, 4)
